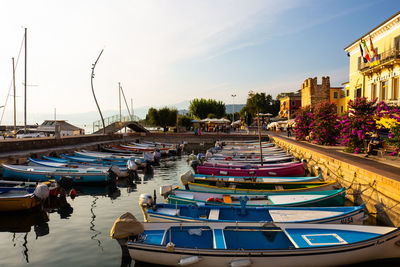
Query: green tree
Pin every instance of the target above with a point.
(283, 95)
(163, 117)
(201, 108)
(185, 121)
(261, 103)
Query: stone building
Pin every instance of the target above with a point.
(313, 93)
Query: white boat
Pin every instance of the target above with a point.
(255, 244)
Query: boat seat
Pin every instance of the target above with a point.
(214, 214)
(219, 239)
(232, 186)
(278, 187)
(227, 199)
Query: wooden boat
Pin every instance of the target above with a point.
(235, 164)
(250, 166)
(266, 161)
(296, 169)
(258, 179)
(111, 156)
(68, 164)
(17, 198)
(192, 213)
(38, 173)
(255, 244)
(327, 198)
(261, 187)
(251, 160)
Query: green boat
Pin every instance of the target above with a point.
(329, 198)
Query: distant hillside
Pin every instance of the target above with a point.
(229, 108)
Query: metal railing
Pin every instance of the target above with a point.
(97, 125)
(381, 59)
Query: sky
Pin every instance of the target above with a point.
(166, 52)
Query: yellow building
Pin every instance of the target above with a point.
(313, 93)
(337, 96)
(379, 77)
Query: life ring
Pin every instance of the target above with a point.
(228, 158)
(214, 199)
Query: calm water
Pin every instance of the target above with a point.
(77, 232)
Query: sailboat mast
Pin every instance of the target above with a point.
(15, 103)
(25, 80)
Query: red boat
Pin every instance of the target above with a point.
(296, 169)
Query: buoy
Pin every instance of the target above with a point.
(72, 193)
(212, 199)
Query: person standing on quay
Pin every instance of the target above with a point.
(289, 130)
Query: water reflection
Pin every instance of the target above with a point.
(92, 225)
(22, 222)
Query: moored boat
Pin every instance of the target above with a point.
(255, 244)
(191, 213)
(296, 169)
(327, 198)
(38, 173)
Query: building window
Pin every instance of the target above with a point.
(335, 95)
(347, 92)
(397, 42)
(341, 109)
(395, 88)
(384, 90)
(373, 91)
(293, 103)
(358, 92)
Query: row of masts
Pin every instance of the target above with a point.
(15, 91)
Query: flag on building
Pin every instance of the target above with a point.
(375, 55)
(366, 51)
(362, 54)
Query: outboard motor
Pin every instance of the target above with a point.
(42, 191)
(66, 182)
(157, 155)
(132, 171)
(145, 202)
(194, 164)
(186, 178)
(114, 172)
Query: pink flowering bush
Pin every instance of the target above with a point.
(324, 128)
(393, 114)
(304, 120)
(358, 121)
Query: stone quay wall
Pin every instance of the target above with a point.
(380, 193)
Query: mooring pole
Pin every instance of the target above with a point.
(91, 81)
(259, 138)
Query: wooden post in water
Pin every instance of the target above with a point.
(259, 138)
(119, 93)
(15, 103)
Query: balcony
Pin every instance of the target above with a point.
(384, 59)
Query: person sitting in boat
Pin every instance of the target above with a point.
(374, 143)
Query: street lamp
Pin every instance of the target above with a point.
(233, 106)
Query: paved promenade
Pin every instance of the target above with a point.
(387, 166)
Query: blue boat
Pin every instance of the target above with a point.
(39, 174)
(254, 244)
(192, 213)
(70, 164)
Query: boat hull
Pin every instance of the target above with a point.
(294, 170)
(379, 246)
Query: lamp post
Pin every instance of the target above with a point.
(233, 107)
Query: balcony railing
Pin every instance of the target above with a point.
(381, 60)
